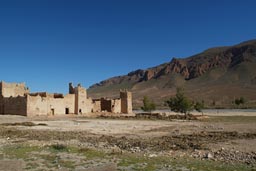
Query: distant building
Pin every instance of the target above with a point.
(16, 99)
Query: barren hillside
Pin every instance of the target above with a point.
(217, 76)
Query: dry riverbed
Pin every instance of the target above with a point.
(79, 143)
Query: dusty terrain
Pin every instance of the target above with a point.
(79, 143)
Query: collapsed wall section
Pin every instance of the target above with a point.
(110, 105)
(105, 104)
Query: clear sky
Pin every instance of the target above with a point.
(49, 43)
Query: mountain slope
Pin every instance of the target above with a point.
(217, 75)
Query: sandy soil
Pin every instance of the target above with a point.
(147, 136)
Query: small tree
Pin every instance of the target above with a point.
(239, 101)
(199, 106)
(148, 105)
(242, 100)
(180, 103)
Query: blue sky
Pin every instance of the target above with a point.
(49, 43)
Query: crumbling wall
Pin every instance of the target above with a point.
(89, 105)
(69, 102)
(96, 105)
(1, 105)
(37, 105)
(106, 105)
(85, 106)
(13, 89)
(116, 106)
(15, 99)
(71, 88)
(126, 101)
(15, 105)
(50, 105)
(56, 106)
(80, 98)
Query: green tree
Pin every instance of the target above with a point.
(148, 105)
(239, 101)
(242, 100)
(180, 103)
(199, 106)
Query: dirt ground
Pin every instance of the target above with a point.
(227, 139)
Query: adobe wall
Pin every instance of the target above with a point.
(1, 105)
(106, 105)
(37, 105)
(69, 102)
(15, 99)
(56, 106)
(82, 104)
(13, 89)
(80, 98)
(116, 106)
(49, 105)
(96, 106)
(15, 105)
(111, 105)
(85, 106)
(126, 101)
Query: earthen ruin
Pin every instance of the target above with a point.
(16, 99)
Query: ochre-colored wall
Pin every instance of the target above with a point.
(13, 89)
(69, 102)
(96, 106)
(15, 99)
(85, 105)
(37, 105)
(116, 106)
(80, 98)
(49, 105)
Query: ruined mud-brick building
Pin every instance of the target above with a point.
(16, 99)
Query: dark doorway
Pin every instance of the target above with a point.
(67, 111)
(52, 111)
(80, 111)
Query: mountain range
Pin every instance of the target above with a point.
(216, 76)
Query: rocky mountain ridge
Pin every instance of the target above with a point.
(229, 59)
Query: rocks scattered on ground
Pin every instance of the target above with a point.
(236, 156)
(196, 142)
(176, 143)
(105, 167)
(152, 116)
(230, 156)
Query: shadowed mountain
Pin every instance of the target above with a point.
(217, 76)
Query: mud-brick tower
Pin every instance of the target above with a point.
(126, 101)
(80, 98)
